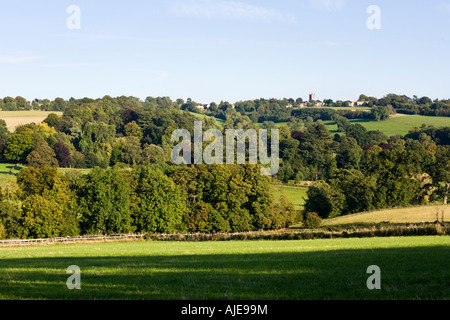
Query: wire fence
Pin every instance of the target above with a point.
(80, 239)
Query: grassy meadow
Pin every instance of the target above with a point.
(280, 270)
(219, 122)
(397, 125)
(8, 173)
(296, 195)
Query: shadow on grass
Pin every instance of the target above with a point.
(9, 170)
(406, 273)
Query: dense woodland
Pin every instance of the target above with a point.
(135, 187)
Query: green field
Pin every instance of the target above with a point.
(394, 126)
(411, 268)
(295, 195)
(219, 122)
(7, 176)
(6, 173)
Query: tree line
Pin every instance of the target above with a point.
(46, 203)
(126, 133)
(363, 170)
(415, 105)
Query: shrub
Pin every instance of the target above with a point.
(10, 218)
(2, 232)
(312, 220)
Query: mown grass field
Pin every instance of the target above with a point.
(296, 195)
(411, 268)
(422, 214)
(16, 118)
(395, 126)
(7, 172)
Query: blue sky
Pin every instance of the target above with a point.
(212, 50)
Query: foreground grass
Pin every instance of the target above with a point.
(412, 268)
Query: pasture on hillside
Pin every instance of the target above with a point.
(396, 125)
(200, 116)
(296, 195)
(16, 118)
(8, 171)
(235, 270)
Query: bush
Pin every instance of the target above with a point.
(2, 232)
(312, 220)
(10, 218)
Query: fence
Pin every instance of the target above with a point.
(114, 237)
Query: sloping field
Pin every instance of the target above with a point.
(396, 125)
(219, 122)
(8, 172)
(16, 118)
(296, 195)
(402, 215)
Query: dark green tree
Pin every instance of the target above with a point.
(325, 200)
(104, 202)
(359, 133)
(359, 191)
(317, 148)
(348, 154)
(160, 205)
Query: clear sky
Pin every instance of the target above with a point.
(212, 50)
